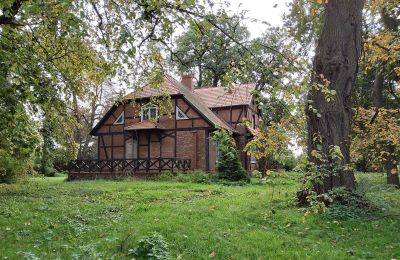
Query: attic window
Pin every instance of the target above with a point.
(120, 120)
(149, 112)
(180, 115)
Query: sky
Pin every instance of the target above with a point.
(270, 11)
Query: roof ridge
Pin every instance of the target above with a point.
(235, 86)
(190, 97)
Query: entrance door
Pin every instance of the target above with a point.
(131, 149)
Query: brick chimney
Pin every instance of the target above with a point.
(187, 81)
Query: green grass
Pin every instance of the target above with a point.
(50, 218)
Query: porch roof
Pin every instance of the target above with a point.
(144, 125)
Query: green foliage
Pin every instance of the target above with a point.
(196, 176)
(349, 204)
(13, 170)
(203, 44)
(152, 247)
(287, 160)
(229, 166)
(312, 192)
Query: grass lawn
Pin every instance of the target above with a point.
(50, 218)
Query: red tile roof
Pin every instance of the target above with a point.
(167, 87)
(171, 86)
(223, 97)
(202, 99)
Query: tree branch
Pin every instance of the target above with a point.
(10, 13)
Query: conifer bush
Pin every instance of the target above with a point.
(229, 166)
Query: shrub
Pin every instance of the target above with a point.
(288, 161)
(11, 169)
(200, 177)
(349, 204)
(196, 176)
(229, 166)
(166, 176)
(152, 247)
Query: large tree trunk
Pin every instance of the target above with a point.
(336, 60)
(391, 167)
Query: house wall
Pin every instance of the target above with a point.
(235, 116)
(185, 139)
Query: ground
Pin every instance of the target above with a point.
(50, 218)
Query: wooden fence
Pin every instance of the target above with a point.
(121, 167)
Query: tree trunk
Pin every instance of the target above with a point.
(391, 167)
(377, 92)
(200, 81)
(336, 60)
(215, 80)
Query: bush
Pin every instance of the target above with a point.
(191, 176)
(229, 166)
(288, 161)
(166, 176)
(349, 204)
(11, 169)
(152, 247)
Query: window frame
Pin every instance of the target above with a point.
(122, 115)
(178, 110)
(147, 110)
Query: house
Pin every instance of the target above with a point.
(174, 134)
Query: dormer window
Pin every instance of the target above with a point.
(149, 112)
(120, 120)
(180, 115)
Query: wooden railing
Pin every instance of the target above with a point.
(129, 166)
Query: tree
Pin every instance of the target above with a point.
(376, 115)
(210, 51)
(377, 139)
(335, 64)
(229, 166)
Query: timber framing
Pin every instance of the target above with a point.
(167, 142)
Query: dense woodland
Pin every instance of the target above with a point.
(328, 78)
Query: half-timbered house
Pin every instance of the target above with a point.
(138, 136)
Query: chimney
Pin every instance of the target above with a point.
(187, 81)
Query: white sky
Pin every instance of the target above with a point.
(262, 10)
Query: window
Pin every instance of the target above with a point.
(149, 112)
(120, 120)
(254, 122)
(180, 115)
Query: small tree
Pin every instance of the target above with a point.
(267, 144)
(229, 166)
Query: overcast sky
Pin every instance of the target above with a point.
(262, 10)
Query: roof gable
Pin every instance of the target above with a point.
(173, 87)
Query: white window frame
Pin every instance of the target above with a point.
(179, 111)
(122, 115)
(147, 110)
